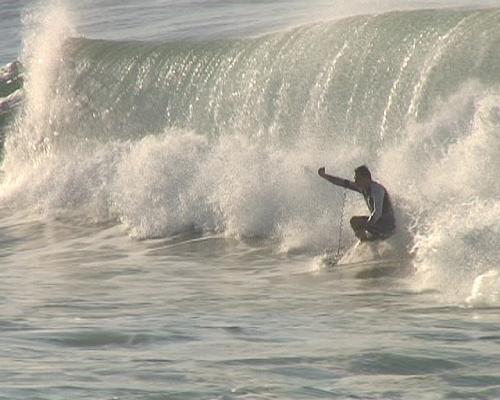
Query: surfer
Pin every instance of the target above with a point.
(381, 222)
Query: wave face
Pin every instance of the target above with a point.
(11, 95)
(225, 135)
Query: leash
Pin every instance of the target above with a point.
(341, 223)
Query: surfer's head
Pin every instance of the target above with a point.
(362, 177)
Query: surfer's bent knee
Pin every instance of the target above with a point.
(358, 222)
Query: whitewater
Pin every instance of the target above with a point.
(163, 226)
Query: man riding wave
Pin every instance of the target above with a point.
(380, 224)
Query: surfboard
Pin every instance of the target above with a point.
(370, 269)
(368, 260)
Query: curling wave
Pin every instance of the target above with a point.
(223, 135)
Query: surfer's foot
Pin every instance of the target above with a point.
(361, 235)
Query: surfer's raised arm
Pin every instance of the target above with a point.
(345, 183)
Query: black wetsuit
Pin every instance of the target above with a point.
(381, 222)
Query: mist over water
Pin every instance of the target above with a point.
(225, 135)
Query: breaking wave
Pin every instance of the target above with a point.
(225, 135)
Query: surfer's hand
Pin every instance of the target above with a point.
(321, 171)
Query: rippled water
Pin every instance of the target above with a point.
(88, 313)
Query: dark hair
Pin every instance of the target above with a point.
(363, 171)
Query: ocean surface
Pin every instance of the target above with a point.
(164, 233)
